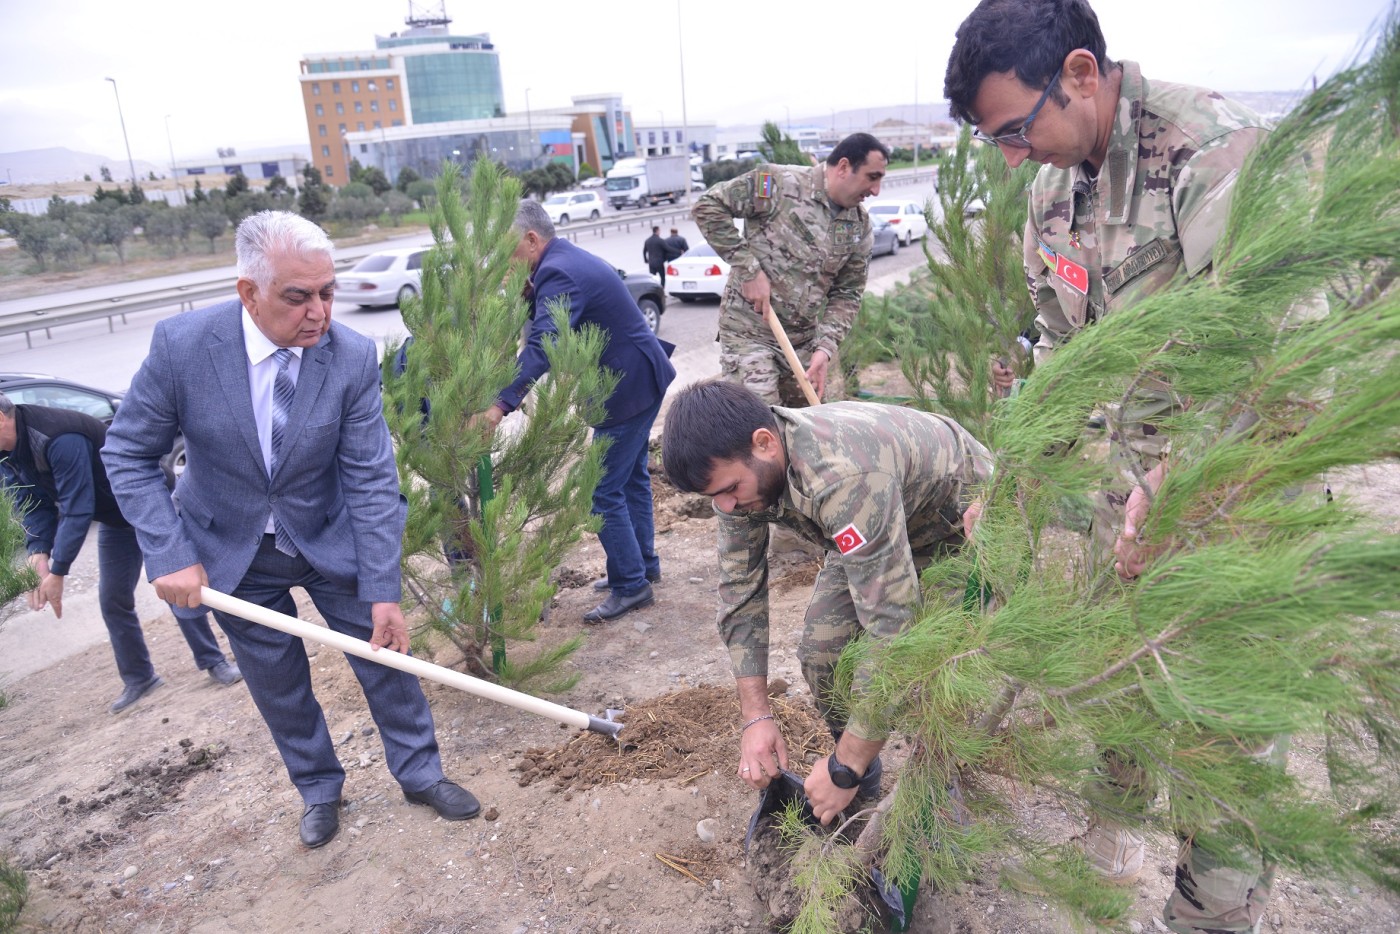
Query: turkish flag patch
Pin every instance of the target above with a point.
(849, 539)
(1075, 275)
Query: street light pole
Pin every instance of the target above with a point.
(129, 161)
(171, 143)
(685, 119)
(662, 115)
(530, 129)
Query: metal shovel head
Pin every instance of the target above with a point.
(787, 787)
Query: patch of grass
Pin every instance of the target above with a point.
(14, 892)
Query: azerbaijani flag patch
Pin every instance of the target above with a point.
(1073, 274)
(767, 185)
(849, 539)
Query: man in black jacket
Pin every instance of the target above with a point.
(656, 253)
(53, 472)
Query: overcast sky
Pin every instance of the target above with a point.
(226, 73)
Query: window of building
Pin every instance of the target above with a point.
(330, 171)
(322, 129)
(342, 129)
(339, 107)
(359, 107)
(393, 106)
(396, 123)
(666, 137)
(651, 137)
(372, 85)
(335, 87)
(316, 88)
(355, 87)
(388, 84)
(377, 125)
(679, 136)
(325, 150)
(360, 127)
(364, 148)
(320, 111)
(374, 106)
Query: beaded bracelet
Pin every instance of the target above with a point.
(767, 716)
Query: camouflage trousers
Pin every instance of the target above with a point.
(761, 367)
(830, 625)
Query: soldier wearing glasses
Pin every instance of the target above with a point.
(1132, 194)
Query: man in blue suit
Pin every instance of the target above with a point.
(596, 294)
(291, 483)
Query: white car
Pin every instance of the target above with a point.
(906, 216)
(700, 271)
(573, 206)
(386, 278)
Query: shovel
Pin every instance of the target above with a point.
(414, 666)
(794, 363)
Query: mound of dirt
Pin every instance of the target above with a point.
(683, 735)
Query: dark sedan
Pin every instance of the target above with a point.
(58, 393)
(646, 292)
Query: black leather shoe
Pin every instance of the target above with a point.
(319, 824)
(615, 606)
(602, 583)
(226, 673)
(134, 692)
(449, 799)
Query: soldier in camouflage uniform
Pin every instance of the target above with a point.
(804, 253)
(884, 490)
(1132, 195)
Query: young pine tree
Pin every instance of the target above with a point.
(505, 507)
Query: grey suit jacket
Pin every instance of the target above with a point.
(335, 491)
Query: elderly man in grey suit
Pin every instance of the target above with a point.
(291, 483)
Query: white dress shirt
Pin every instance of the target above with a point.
(262, 373)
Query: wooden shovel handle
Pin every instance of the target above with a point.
(795, 364)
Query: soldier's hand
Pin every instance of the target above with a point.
(826, 799)
(1133, 555)
(970, 517)
(816, 372)
(762, 753)
(390, 631)
(1003, 374)
(181, 588)
(486, 422)
(758, 292)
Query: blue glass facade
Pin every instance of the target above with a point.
(460, 79)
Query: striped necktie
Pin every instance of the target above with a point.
(283, 389)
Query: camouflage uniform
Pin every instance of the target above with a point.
(883, 490)
(1152, 216)
(1094, 245)
(816, 255)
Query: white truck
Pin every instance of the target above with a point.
(649, 181)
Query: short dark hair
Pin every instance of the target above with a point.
(656, 230)
(855, 149)
(1030, 37)
(710, 421)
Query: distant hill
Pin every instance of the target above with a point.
(59, 164)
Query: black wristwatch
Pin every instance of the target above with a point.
(842, 776)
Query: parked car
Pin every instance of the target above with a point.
(597, 181)
(573, 206)
(58, 393)
(387, 278)
(906, 216)
(886, 238)
(646, 292)
(700, 271)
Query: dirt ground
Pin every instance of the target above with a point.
(178, 816)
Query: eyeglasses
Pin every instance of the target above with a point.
(1017, 139)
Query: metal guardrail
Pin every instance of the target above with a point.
(201, 292)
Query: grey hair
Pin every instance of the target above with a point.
(531, 216)
(7, 408)
(266, 233)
